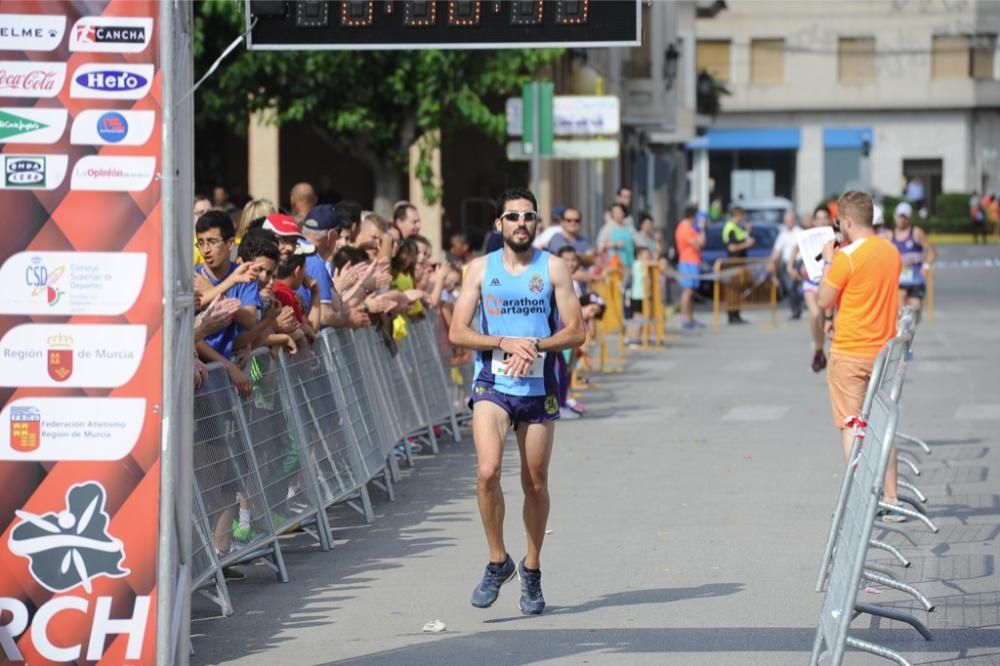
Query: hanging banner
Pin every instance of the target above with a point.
(80, 331)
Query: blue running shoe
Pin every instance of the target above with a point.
(532, 602)
(495, 576)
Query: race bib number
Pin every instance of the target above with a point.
(535, 370)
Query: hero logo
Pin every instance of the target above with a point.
(96, 80)
(66, 549)
(111, 34)
(24, 78)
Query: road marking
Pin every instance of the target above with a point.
(650, 415)
(980, 412)
(756, 413)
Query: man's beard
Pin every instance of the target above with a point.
(519, 246)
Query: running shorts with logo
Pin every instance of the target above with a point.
(518, 306)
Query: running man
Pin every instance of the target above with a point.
(821, 218)
(918, 254)
(523, 292)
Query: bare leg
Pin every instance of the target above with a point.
(490, 425)
(687, 304)
(847, 439)
(535, 442)
(889, 490)
(815, 320)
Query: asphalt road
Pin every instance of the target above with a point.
(689, 510)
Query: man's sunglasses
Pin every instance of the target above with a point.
(516, 215)
(571, 219)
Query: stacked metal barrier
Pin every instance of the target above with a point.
(844, 565)
(316, 428)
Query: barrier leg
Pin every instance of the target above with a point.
(393, 466)
(898, 616)
(878, 650)
(916, 491)
(896, 585)
(817, 651)
(910, 513)
(889, 548)
(878, 568)
(913, 440)
(909, 461)
(915, 503)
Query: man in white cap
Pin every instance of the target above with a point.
(918, 255)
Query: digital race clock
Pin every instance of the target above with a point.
(494, 24)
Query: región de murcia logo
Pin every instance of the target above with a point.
(70, 547)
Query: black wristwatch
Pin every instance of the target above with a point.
(538, 347)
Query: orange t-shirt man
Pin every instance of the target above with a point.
(866, 275)
(684, 239)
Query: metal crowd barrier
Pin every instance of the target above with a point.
(840, 605)
(316, 428)
(844, 565)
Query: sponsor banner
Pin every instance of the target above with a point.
(111, 81)
(111, 127)
(113, 173)
(71, 283)
(70, 428)
(27, 78)
(94, 355)
(33, 172)
(110, 34)
(25, 124)
(31, 32)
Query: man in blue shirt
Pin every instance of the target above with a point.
(328, 231)
(215, 234)
(522, 291)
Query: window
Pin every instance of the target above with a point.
(984, 48)
(950, 57)
(767, 60)
(856, 59)
(713, 57)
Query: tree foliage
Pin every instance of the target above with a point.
(374, 104)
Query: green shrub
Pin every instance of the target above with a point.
(889, 204)
(952, 205)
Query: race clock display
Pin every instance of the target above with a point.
(454, 24)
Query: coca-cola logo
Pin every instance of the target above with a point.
(37, 80)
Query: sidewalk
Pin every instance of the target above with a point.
(689, 510)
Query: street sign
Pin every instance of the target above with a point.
(573, 115)
(588, 149)
(313, 25)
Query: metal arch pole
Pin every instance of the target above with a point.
(173, 571)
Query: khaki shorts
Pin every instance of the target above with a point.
(847, 378)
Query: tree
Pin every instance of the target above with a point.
(373, 104)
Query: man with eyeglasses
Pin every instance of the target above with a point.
(570, 236)
(523, 291)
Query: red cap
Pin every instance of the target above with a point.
(282, 225)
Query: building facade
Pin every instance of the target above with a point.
(867, 94)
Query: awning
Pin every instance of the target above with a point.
(769, 138)
(847, 137)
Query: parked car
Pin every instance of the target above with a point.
(764, 236)
(769, 210)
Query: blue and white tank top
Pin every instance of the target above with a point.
(517, 306)
(912, 253)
